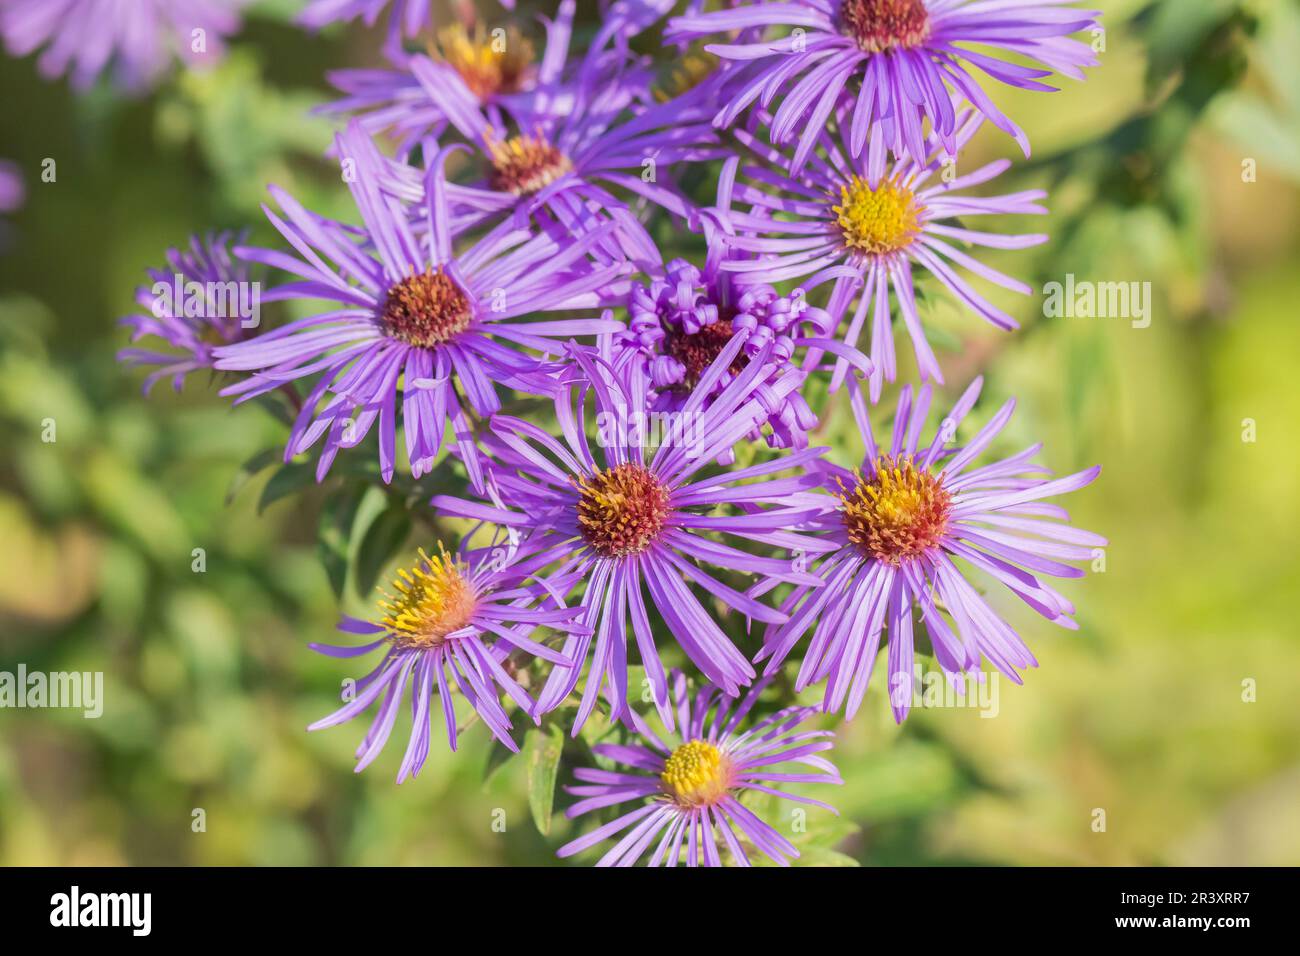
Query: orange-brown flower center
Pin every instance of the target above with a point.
(880, 25)
(899, 512)
(426, 309)
(525, 164)
(489, 65)
(698, 350)
(622, 510)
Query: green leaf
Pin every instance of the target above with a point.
(262, 460)
(543, 747)
(382, 534)
(291, 478)
(334, 534)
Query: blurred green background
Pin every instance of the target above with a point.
(209, 684)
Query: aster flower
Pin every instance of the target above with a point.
(203, 298)
(835, 227)
(411, 312)
(138, 38)
(637, 522)
(12, 194)
(897, 61)
(462, 622)
(680, 323)
(11, 186)
(557, 151)
(406, 18)
(689, 786)
(464, 71)
(907, 521)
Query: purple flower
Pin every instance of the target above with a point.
(688, 790)
(465, 71)
(558, 151)
(11, 186)
(406, 18)
(902, 520)
(414, 318)
(461, 622)
(139, 38)
(202, 299)
(836, 227)
(680, 323)
(635, 522)
(896, 61)
(12, 195)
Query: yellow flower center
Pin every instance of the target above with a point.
(880, 25)
(876, 222)
(431, 600)
(426, 309)
(899, 512)
(621, 510)
(696, 774)
(525, 164)
(488, 65)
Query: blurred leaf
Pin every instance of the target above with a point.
(289, 479)
(259, 462)
(380, 527)
(334, 535)
(543, 747)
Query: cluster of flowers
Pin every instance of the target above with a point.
(505, 245)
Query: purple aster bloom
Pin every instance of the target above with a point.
(902, 520)
(680, 323)
(412, 313)
(896, 61)
(12, 195)
(687, 786)
(459, 622)
(465, 71)
(201, 299)
(11, 186)
(835, 227)
(406, 18)
(139, 38)
(559, 150)
(635, 522)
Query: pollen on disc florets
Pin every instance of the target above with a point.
(431, 600)
(490, 66)
(426, 309)
(621, 510)
(696, 774)
(524, 164)
(876, 222)
(881, 25)
(897, 513)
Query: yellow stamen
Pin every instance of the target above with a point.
(432, 599)
(897, 513)
(524, 164)
(488, 65)
(696, 774)
(876, 222)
